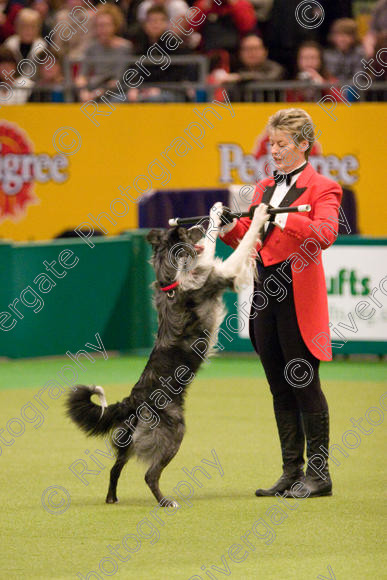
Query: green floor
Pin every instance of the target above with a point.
(229, 418)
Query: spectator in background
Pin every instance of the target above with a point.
(378, 25)
(283, 34)
(310, 68)
(27, 39)
(154, 26)
(263, 9)
(45, 9)
(129, 11)
(3, 19)
(173, 8)
(381, 42)
(75, 47)
(254, 63)
(14, 89)
(49, 82)
(344, 59)
(225, 24)
(254, 66)
(105, 56)
(378, 94)
(284, 31)
(8, 12)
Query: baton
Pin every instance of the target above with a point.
(272, 211)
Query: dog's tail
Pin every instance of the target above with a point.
(91, 418)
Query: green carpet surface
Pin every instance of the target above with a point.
(231, 435)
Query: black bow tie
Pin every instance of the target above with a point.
(279, 177)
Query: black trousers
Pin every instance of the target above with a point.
(294, 384)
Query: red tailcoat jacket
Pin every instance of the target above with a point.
(301, 242)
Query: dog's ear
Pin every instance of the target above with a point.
(196, 233)
(154, 237)
(178, 233)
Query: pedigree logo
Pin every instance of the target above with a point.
(237, 166)
(21, 168)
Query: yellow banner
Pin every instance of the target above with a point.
(61, 166)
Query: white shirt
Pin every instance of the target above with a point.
(279, 193)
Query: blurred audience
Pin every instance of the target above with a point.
(173, 8)
(129, 10)
(254, 62)
(14, 88)
(75, 46)
(49, 81)
(27, 39)
(225, 23)
(45, 9)
(102, 65)
(378, 25)
(344, 59)
(284, 34)
(245, 42)
(311, 69)
(155, 24)
(381, 72)
(8, 12)
(254, 66)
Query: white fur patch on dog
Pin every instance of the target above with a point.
(102, 399)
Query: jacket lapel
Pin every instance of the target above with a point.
(292, 195)
(268, 193)
(266, 197)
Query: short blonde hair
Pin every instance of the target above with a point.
(28, 16)
(298, 123)
(116, 15)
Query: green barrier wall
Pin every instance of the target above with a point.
(107, 291)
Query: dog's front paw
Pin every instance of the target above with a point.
(260, 217)
(215, 214)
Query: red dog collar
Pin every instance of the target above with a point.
(170, 287)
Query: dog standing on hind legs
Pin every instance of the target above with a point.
(149, 423)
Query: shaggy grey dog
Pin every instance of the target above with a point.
(189, 286)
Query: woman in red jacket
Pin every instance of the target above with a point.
(289, 313)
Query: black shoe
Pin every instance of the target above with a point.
(292, 439)
(312, 487)
(284, 483)
(317, 481)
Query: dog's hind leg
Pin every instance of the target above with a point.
(165, 454)
(124, 454)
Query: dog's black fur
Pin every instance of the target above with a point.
(184, 314)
